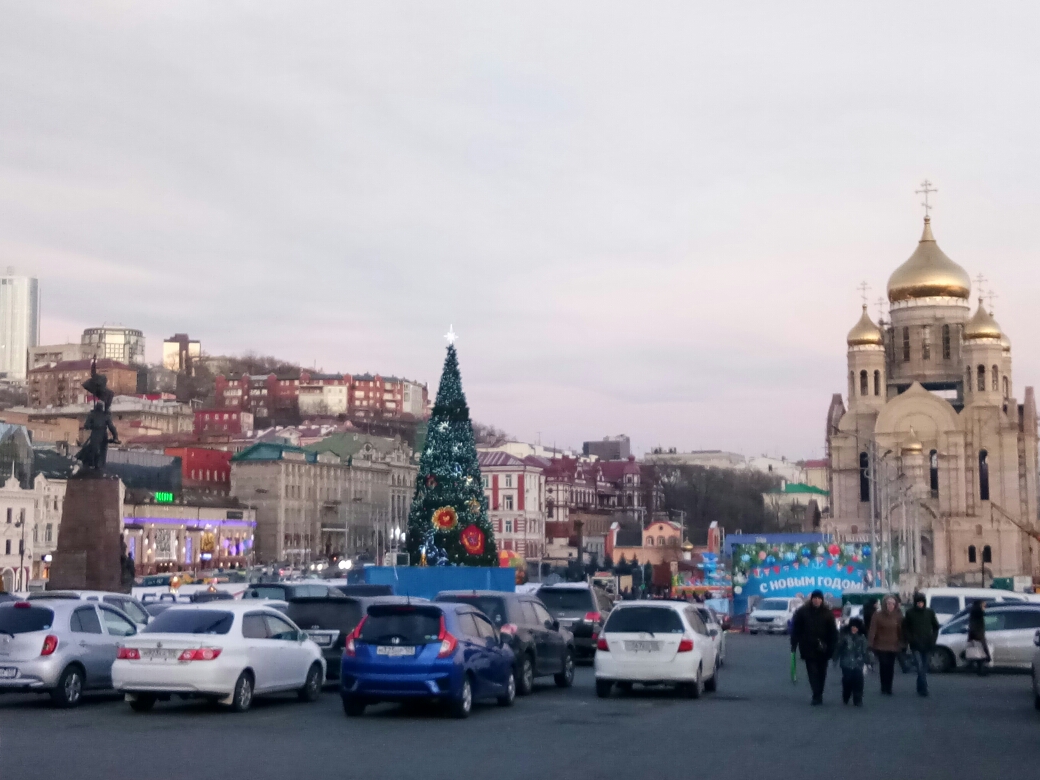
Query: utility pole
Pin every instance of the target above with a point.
(872, 473)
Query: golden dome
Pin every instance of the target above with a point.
(1005, 344)
(982, 326)
(928, 273)
(913, 444)
(865, 332)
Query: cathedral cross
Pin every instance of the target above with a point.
(926, 190)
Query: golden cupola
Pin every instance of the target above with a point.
(865, 332)
(929, 273)
(1005, 344)
(982, 327)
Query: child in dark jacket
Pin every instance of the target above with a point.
(852, 655)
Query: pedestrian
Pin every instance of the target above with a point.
(814, 634)
(920, 629)
(868, 612)
(851, 656)
(977, 633)
(886, 640)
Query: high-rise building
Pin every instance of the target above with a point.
(611, 448)
(117, 343)
(19, 323)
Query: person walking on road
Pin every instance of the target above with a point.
(977, 633)
(920, 629)
(886, 640)
(815, 634)
(852, 655)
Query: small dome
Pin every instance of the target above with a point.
(865, 332)
(982, 326)
(928, 273)
(913, 444)
(1005, 344)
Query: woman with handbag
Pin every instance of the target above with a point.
(886, 640)
(977, 638)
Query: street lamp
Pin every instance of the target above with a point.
(22, 585)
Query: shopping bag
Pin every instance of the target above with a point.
(974, 651)
(794, 668)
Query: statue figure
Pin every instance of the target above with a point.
(94, 452)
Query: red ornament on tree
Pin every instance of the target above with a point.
(445, 518)
(431, 481)
(472, 540)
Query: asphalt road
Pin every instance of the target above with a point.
(757, 724)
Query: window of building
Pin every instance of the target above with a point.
(855, 530)
(877, 383)
(906, 345)
(972, 557)
(933, 472)
(946, 342)
(509, 526)
(996, 382)
(983, 475)
(7, 546)
(852, 384)
(649, 541)
(48, 533)
(987, 554)
(508, 503)
(1007, 386)
(926, 342)
(982, 379)
(967, 381)
(509, 480)
(862, 382)
(10, 515)
(864, 477)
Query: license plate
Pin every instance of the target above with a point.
(321, 640)
(154, 654)
(642, 647)
(394, 652)
(7, 672)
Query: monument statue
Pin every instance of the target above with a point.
(94, 451)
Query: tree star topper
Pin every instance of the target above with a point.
(451, 336)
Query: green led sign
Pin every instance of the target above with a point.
(163, 497)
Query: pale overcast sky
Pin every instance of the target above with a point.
(647, 218)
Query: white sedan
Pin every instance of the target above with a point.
(224, 651)
(655, 643)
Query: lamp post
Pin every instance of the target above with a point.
(21, 554)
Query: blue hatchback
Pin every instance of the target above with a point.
(440, 652)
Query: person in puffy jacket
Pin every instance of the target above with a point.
(886, 640)
(852, 655)
(815, 634)
(920, 629)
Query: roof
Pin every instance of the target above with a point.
(799, 487)
(349, 444)
(815, 464)
(498, 459)
(267, 451)
(629, 537)
(615, 470)
(105, 364)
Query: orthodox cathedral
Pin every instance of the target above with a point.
(935, 457)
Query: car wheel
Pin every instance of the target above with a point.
(692, 690)
(524, 674)
(603, 688)
(311, 689)
(507, 698)
(625, 687)
(353, 708)
(460, 708)
(242, 698)
(752, 632)
(941, 661)
(565, 679)
(712, 683)
(142, 703)
(69, 690)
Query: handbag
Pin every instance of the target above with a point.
(974, 651)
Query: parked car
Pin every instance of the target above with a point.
(283, 591)
(1036, 670)
(206, 596)
(362, 589)
(773, 615)
(711, 621)
(581, 609)
(328, 621)
(130, 606)
(1010, 630)
(542, 647)
(61, 647)
(445, 652)
(227, 651)
(656, 643)
(154, 608)
(947, 602)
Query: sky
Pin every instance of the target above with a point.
(639, 218)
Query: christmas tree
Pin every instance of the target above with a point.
(448, 524)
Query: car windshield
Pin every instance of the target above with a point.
(265, 592)
(406, 624)
(191, 621)
(566, 599)
(22, 620)
(494, 608)
(656, 620)
(780, 605)
(341, 614)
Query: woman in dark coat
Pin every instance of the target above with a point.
(977, 632)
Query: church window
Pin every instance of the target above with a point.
(987, 554)
(864, 477)
(933, 472)
(877, 383)
(926, 342)
(978, 530)
(906, 345)
(1007, 387)
(946, 342)
(983, 476)
(982, 379)
(862, 382)
(972, 557)
(852, 384)
(996, 382)
(649, 541)
(855, 530)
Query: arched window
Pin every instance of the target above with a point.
(852, 384)
(649, 541)
(933, 472)
(982, 379)
(1007, 386)
(987, 554)
(926, 342)
(946, 342)
(967, 381)
(660, 541)
(864, 477)
(972, 556)
(906, 345)
(855, 530)
(862, 382)
(996, 382)
(877, 383)
(983, 476)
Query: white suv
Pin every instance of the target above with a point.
(772, 616)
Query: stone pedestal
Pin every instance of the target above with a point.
(88, 554)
